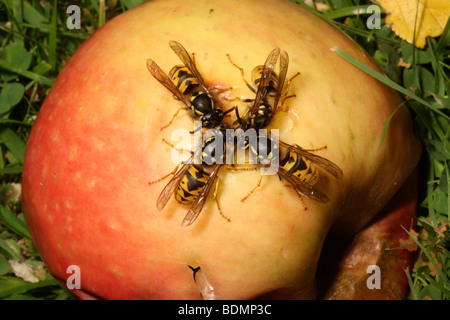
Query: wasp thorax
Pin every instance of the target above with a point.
(257, 75)
(202, 103)
(213, 148)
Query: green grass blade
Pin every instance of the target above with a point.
(101, 13)
(386, 80)
(427, 254)
(413, 291)
(4, 265)
(444, 40)
(15, 9)
(27, 74)
(11, 170)
(10, 220)
(13, 142)
(387, 122)
(349, 11)
(52, 37)
(10, 286)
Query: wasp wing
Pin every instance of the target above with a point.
(159, 75)
(325, 164)
(284, 63)
(197, 206)
(185, 57)
(303, 188)
(266, 75)
(170, 187)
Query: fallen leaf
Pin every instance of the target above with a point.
(408, 244)
(432, 15)
(23, 270)
(402, 63)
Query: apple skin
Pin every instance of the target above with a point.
(96, 144)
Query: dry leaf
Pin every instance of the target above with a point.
(432, 15)
(408, 244)
(23, 270)
(402, 63)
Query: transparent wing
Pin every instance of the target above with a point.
(325, 164)
(266, 75)
(159, 75)
(197, 206)
(284, 64)
(303, 188)
(185, 57)
(170, 187)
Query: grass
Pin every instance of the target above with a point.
(36, 43)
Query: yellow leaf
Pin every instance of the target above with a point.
(432, 15)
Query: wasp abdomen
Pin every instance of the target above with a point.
(191, 185)
(300, 167)
(184, 80)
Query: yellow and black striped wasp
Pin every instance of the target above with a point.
(192, 181)
(295, 165)
(270, 87)
(188, 86)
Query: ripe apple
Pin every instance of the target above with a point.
(97, 143)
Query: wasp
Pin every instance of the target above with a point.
(296, 165)
(192, 182)
(270, 87)
(188, 86)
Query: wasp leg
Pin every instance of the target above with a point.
(172, 146)
(164, 177)
(242, 74)
(285, 96)
(174, 117)
(253, 190)
(217, 202)
(180, 150)
(291, 78)
(305, 207)
(233, 167)
(282, 107)
(313, 150)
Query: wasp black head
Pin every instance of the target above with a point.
(212, 118)
(203, 106)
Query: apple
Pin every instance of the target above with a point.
(371, 265)
(97, 143)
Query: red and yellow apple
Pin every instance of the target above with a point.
(96, 144)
